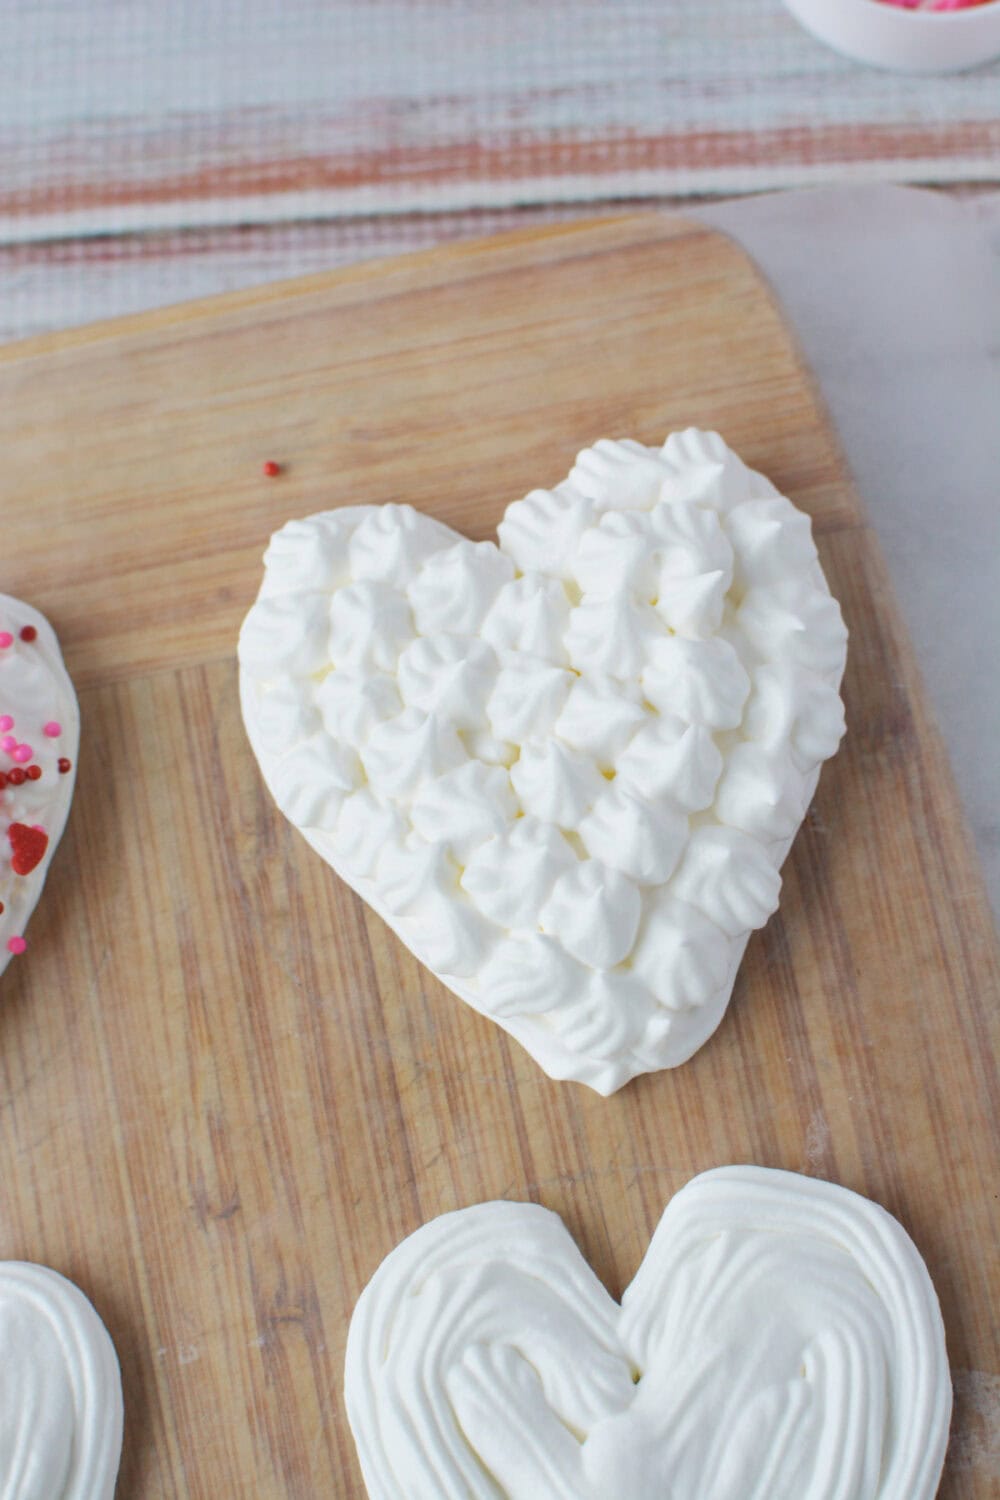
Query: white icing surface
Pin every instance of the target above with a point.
(781, 1340)
(594, 742)
(34, 691)
(60, 1390)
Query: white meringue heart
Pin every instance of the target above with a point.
(60, 1390)
(39, 740)
(781, 1340)
(586, 749)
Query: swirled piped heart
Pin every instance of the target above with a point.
(60, 1390)
(566, 768)
(781, 1341)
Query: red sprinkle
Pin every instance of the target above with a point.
(64, 765)
(1, 906)
(28, 632)
(33, 773)
(28, 845)
(272, 469)
(15, 776)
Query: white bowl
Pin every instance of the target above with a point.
(915, 41)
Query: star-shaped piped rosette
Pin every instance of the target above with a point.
(39, 734)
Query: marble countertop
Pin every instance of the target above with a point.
(895, 296)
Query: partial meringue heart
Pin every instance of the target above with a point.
(581, 755)
(60, 1390)
(781, 1341)
(39, 735)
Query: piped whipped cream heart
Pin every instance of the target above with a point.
(781, 1341)
(60, 1390)
(39, 736)
(565, 769)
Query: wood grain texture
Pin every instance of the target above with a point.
(226, 1091)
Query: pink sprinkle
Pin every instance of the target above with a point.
(23, 753)
(6, 722)
(38, 827)
(52, 729)
(6, 639)
(16, 945)
(8, 743)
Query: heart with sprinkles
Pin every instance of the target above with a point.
(39, 735)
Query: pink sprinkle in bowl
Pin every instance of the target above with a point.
(912, 41)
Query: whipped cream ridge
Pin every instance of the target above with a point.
(781, 1340)
(60, 1390)
(39, 737)
(594, 740)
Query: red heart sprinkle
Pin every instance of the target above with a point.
(29, 845)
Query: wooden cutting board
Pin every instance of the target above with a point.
(226, 1091)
